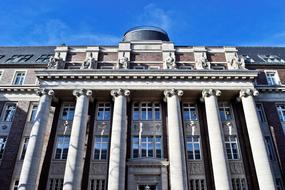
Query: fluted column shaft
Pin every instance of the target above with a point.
(75, 158)
(218, 154)
(176, 147)
(29, 177)
(258, 147)
(118, 147)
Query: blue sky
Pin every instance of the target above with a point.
(188, 22)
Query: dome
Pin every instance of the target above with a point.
(144, 33)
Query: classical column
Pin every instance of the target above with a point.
(258, 147)
(29, 177)
(218, 154)
(75, 157)
(176, 148)
(118, 147)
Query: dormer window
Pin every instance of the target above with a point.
(271, 58)
(272, 78)
(44, 58)
(19, 58)
(248, 59)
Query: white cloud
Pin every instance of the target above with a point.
(155, 16)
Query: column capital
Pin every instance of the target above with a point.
(172, 92)
(211, 92)
(80, 92)
(120, 92)
(248, 92)
(44, 91)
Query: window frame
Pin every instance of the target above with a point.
(192, 143)
(147, 108)
(62, 149)
(281, 112)
(25, 142)
(3, 145)
(104, 111)
(69, 105)
(223, 106)
(153, 143)
(31, 111)
(3, 115)
(272, 81)
(189, 107)
(101, 143)
(260, 113)
(15, 76)
(231, 142)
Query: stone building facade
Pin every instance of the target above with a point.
(142, 115)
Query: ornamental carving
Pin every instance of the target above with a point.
(80, 92)
(196, 168)
(172, 92)
(88, 62)
(236, 168)
(211, 92)
(248, 92)
(237, 62)
(45, 91)
(202, 62)
(98, 169)
(123, 62)
(55, 62)
(170, 62)
(120, 92)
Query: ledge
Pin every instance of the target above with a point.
(24, 88)
(265, 88)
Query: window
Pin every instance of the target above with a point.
(248, 59)
(2, 145)
(68, 112)
(189, 112)
(139, 67)
(1, 56)
(104, 111)
(271, 58)
(281, 111)
(9, 112)
(24, 148)
(269, 148)
(101, 147)
(44, 58)
(239, 184)
(107, 67)
(62, 147)
(146, 111)
(19, 78)
(197, 184)
(278, 184)
(19, 58)
(97, 184)
(193, 147)
(260, 113)
(16, 184)
(33, 113)
(272, 78)
(232, 147)
(225, 112)
(218, 66)
(147, 147)
(55, 184)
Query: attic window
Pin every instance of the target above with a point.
(271, 58)
(44, 58)
(1, 56)
(248, 59)
(19, 58)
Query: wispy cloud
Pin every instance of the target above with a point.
(155, 16)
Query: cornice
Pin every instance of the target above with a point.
(62, 74)
(26, 88)
(265, 88)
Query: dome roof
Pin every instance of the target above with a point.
(144, 33)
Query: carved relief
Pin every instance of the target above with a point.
(236, 168)
(57, 168)
(55, 62)
(123, 62)
(196, 168)
(89, 62)
(202, 62)
(237, 62)
(98, 169)
(170, 62)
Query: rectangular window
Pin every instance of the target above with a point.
(68, 112)
(104, 112)
(146, 111)
(33, 113)
(44, 58)
(225, 112)
(281, 111)
(101, 147)
(62, 145)
(197, 184)
(147, 147)
(3, 141)
(193, 147)
(272, 78)
(9, 112)
(271, 58)
(19, 58)
(16, 184)
(239, 184)
(269, 148)
(55, 184)
(24, 148)
(97, 184)
(190, 112)
(19, 78)
(232, 147)
(260, 113)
